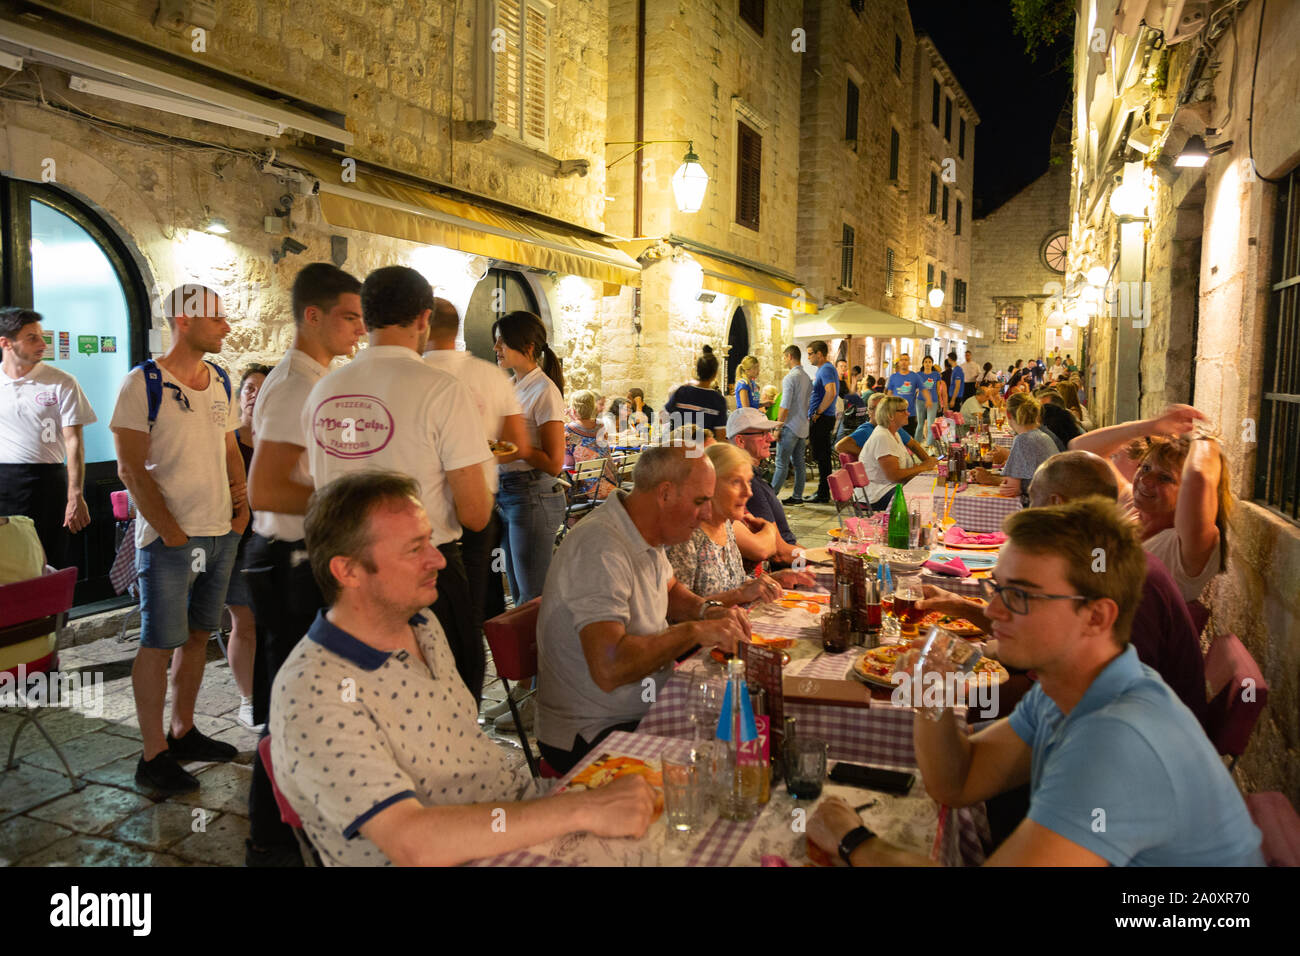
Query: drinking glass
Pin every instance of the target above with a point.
(704, 703)
(805, 767)
(684, 778)
(906, 595)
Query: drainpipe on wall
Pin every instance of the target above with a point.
(639, 134)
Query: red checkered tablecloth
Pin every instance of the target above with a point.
(979, 508)
(726, 842)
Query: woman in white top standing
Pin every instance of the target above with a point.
(531, 502)
(1180, 491)
(884, 454)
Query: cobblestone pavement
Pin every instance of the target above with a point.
(111, 821)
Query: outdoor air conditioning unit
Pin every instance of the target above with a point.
(1184, 19)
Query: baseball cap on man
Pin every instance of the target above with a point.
(748, 420)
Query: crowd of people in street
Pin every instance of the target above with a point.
(350, 515)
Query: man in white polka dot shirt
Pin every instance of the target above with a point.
(374, 737)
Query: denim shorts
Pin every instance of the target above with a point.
(183, 589)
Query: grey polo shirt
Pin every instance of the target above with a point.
(355, 730)
(604, 571)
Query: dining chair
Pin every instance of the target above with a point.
(1280, 824)
(288, 815)
(581, 498)
(858, 474)
(31, 609)
(1238, 695)
(512, 636)
(841, 487)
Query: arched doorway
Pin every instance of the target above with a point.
(501, 291)
(66, 262)
(738, 340)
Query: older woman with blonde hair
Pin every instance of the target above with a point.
(884, 454)
(1180, 491)
(747, 391)
(585, 440)
(710, 562)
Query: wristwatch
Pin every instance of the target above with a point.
(852, 840)
(708, 604)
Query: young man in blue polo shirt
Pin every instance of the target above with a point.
(821, 416)
(1120, 771)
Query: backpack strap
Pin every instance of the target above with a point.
(152, 388)
(221, 374)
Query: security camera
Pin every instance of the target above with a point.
(292, 246)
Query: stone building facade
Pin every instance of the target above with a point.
(1013, 287)
(1195, 308)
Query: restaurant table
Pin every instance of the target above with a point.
(777, 831)
(977, 508)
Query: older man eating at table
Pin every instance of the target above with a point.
(603, 640)
(374, 735)
(1120, 772)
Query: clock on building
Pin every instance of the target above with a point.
(1054, 250)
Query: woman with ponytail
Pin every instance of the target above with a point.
(1031, 448)
(531, 502)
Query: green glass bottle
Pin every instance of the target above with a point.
(900, 525)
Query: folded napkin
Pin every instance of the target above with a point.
(954, 567)
(956, 536)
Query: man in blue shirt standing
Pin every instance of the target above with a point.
(821, 416)
(958, 384)
(906, 384)
(796, 391)
(1120, 771)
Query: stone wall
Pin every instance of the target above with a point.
(705, 69)
(847, 183)
(402, 71)
(1007, 267)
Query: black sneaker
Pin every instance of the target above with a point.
(818, 501)
(281, 854)
(792, 500)
(164, 775)
(195, 746)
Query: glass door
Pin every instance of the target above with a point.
(64, 262)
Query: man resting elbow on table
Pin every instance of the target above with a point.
(368, 715)
(604, 644)
(1120, 772)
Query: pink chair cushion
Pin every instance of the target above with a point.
(1280, 824)
(39, 597)
(287, 813)
(841, 486)
(844, 460)
(121, 506)
(858, 474)
(1240, 693)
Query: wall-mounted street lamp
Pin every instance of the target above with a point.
(935, 298)
(1194, 153)
(690, 181)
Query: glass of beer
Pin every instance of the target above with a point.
(907, 595)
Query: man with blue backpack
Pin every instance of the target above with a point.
(174, 428)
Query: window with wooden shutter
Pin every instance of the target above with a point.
(944, 214)
(851, 114)
(520, 59)
(959, 295)
(947, 118)
(846, 258)
(958, 217)
(934, 193)
(893, 154)
(929, 276)
(749, 167)
(961, 138)
(943, 282)
(934, 103)
(751, 11)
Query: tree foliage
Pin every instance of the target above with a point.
(1043, 24)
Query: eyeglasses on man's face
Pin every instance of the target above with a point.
(1016, 600)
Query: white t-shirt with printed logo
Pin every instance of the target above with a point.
(277, 416)
(541, 402)
(34, 410)
(187, 450)
(387, 410)
(491, 389)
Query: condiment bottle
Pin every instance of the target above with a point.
(742, 770)
(763, 724)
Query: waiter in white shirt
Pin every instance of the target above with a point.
(327, 324)
(970, 373)
(42, 411)
(387, 410)
(494, 396)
